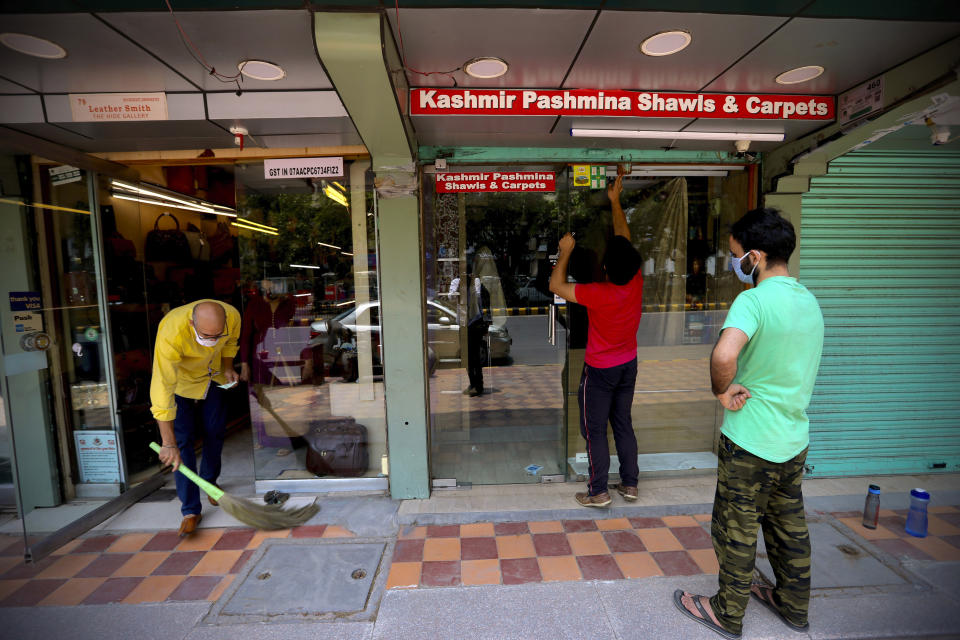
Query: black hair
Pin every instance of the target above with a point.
(621, 260)
(768, 231)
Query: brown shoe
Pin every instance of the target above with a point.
(584, 499)
(213, 503)
(189, 524)
(629, 493)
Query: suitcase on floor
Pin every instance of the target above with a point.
(337, 447)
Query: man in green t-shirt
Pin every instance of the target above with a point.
(762, 369)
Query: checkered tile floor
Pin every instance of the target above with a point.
(520, 552)
(136, 567)
(942, 543)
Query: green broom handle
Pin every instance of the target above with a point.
(210, 489)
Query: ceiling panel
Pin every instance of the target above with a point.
(291, 126)
(98, 59)
(851, 51)
(224, 38)
(539, 45)
(311, 140)
(10, 87)
(611, 59)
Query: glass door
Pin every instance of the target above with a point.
(496, 340)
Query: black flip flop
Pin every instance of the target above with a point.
(765, 601)
(705, 620)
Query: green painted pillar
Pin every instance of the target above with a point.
(356, 50)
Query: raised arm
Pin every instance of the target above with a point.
(558, 279)
(620, 227)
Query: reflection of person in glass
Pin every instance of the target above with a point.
(478, 316)
(194, 352)
(610, 364)
(263, 317)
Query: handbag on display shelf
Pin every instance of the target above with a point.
(221, 242)
(89, 395)
(199, 243)
(167, 245)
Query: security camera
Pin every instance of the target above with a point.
(742, 145)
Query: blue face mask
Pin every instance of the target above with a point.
(737, 269)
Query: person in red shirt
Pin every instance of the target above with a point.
(610, 369)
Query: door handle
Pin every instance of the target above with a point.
(552, 324)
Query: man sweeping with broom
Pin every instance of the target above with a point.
(193, 356)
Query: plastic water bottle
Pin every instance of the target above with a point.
(917, 517)
(871, 508)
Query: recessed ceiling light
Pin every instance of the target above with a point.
(261, 70)
(33, 46)
(800, 74)
(665, 43)
(485, 67)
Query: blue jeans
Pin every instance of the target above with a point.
(607, 394)
(212, 417)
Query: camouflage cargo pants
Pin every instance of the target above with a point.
(754, 492)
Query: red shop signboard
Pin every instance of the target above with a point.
(594, 102)
(496, 181)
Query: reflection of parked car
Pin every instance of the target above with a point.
(443, 332)
(529, 294)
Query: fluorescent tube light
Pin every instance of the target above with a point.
(160, 203)
(332, 246)
(189, 204)
(303, 266)
(675, 135)
(344, 304)
(346, 253)
(612, 171)
(335, 195)
(240, 225)
(251, 223)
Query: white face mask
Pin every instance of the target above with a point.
(737, 269)
(204, 342)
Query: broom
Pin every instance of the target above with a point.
(259, 516)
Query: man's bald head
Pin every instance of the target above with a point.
(209, 319)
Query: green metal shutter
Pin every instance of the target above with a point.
(880, 249)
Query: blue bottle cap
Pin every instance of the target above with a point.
(920, 493)
(874, 489)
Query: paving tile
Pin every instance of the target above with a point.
(408, 551)
(706, 559)
(130, 543)
(179, 563)
(520, 570)
(141, 564)
(9, 562)
(308, 531)
(478, 549)
(880, 533)
(559, 568)
(676, 563)
(443, 531)
(113, 590)
(623, 541)
(404, 575)
(260, 536)
(551, 544)
(410, 533)
(72, 592)
(680, 521)
(104, 566)
(97, 544)
(578, 526)
(163, 541)
(893, 522)
(547, 526)
(12, 546)
(67, 566)
(32, 592)
(952, 517)
(954, 540)
(588, 543)
(614, 524)
(242, 562)
(234, 539)
(936, 548)
(216, 563)
(937, 526)
(480, 571)
(194, 588)
(336, 531)
(692, 537)
(855, 514)
(220, 588)
(646, 523)
(637, 565)
(599, 568)
(659, 539)
(510, 528)
(901, 548)
(477, 530)
(70, 546)
(24, 571)
(440, 574)
(703, 517)
(9, 586)
(515, 546)
(435, 549)
(944, 508)
(153, 589)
